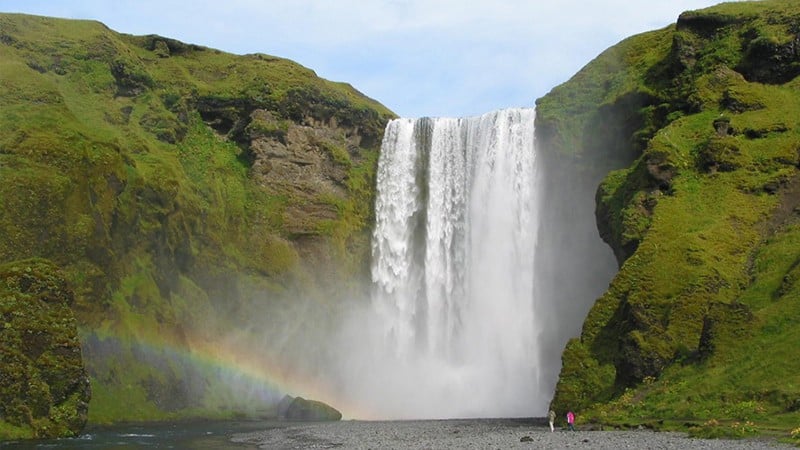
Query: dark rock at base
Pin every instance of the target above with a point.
(526, 439)
(298, 408)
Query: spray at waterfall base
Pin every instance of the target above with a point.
(460, 322)
(451, 328)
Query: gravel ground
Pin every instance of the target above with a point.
(472, 434)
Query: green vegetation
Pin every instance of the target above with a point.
(142, 167)
(697, 329)
(45, 389)
(169, 183)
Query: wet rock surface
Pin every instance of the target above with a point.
(472, 434)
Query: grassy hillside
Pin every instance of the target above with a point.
(172, 184)
(698, 328)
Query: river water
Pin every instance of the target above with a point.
(182, 435)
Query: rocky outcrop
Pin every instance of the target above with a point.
(309, 162)
(45, 389)
(298, 408)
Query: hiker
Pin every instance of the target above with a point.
(552, 417)
(571, 420)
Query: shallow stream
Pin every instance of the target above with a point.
(178, 435)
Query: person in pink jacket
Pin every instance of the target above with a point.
(571, 420)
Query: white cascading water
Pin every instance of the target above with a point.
(453, 326)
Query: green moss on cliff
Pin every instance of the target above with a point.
(136, 164)
(712, 139)
(45, 389)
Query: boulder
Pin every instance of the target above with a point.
(307, 410)
(283, 406)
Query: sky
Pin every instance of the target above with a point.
(418, 57)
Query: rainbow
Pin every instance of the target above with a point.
(241, 364)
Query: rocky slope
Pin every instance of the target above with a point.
(702, 119)
(183, 192)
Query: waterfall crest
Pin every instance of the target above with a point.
(453, 259)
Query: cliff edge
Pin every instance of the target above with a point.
(187, 195)
(703, 120)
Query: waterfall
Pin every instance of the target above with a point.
(453, 326)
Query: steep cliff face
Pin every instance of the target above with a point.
(177, 186)
(45, 389)
(702, 219)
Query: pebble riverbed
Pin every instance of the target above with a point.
(472, 434)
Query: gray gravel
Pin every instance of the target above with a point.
(472, 434)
